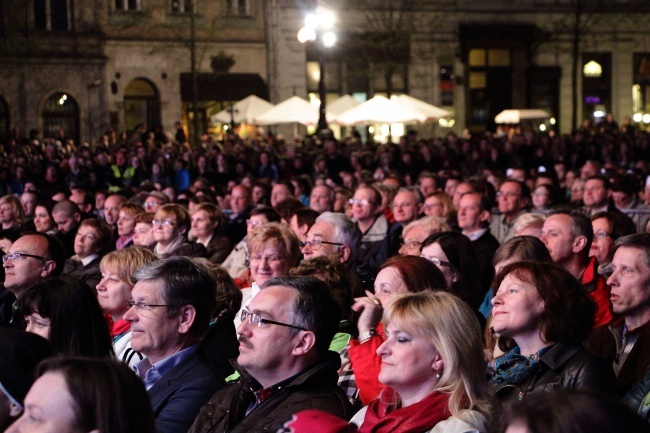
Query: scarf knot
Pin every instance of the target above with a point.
(513, 367)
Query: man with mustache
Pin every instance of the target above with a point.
(284, 361)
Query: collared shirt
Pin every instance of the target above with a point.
(475, 235)
(501, 228)
(85, 261)
(264, 393)
(150, 374)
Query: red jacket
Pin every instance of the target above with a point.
(597, 287)
(366, 365)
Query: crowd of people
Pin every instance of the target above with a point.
(453, 284)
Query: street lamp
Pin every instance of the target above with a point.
(318, 28)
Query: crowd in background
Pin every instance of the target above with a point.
(462, 274)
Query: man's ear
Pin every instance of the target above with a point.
(48, 268)
(344, 251)
(305, 341)
(484, 216)
(186, 318)
(77, 216)
(579, 243)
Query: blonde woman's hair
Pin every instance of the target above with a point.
(126, 261)
(431, 224)
(279, 233)
(454, 331)
(19, 212)
(527, 220)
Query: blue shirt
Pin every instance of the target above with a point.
(150, 374)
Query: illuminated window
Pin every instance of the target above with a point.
(477, 57)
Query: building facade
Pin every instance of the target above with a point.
(75, 68)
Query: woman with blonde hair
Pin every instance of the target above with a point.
(12, 214)
(273, 249)
(439, 204)
(113, 292)
(433, 365)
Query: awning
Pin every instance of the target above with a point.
(223, 87)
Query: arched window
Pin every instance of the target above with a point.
(4, 119)
(141, 105)
(61, 117)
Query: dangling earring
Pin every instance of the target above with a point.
(437, 374)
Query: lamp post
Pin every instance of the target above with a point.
(318, 28)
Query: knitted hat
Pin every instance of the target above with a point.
(20, 353)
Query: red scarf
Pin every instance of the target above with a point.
(120, 327)
(416, 418)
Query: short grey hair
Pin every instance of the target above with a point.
(418, 195)
(183, 281)
(345, 231)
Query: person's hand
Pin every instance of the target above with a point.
(370, 312)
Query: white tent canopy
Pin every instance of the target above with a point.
(430, 110)
(340, 106)
(381, 110)
(292, 110)
(516, 116)
(245, 110)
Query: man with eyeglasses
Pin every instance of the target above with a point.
(374, 227)
(154, 200)
(284, 361)
(513, 198)
(333, 235)
(170, 312)
(33, 258)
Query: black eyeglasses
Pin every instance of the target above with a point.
(18, 257)
(315, 244)
(143, 306)
(256, 318)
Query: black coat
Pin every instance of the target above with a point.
(564, 366)
(315, 388)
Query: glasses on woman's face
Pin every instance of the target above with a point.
(163, 223)
(258, 258)
(435, 260)
(411, 243)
